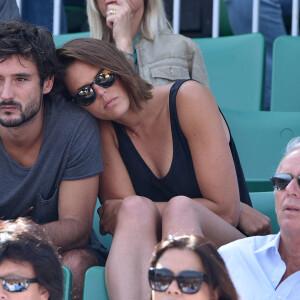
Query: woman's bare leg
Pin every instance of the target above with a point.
(183, 215)
(133, 243)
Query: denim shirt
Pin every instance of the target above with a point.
(170, 57)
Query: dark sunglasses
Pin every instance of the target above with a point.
(16, 284)
(189, 282)
(281, 180)
(87, 95)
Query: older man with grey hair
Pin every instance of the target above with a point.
(268, 267)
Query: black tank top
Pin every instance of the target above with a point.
(181, 178)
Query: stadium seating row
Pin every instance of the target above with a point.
(235, 66)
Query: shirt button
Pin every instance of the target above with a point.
(171, 71)
(279, 297)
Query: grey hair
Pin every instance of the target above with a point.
(154, 20)
(292, 145)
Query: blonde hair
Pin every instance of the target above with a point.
(154, 20)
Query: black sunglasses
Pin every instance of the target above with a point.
(281, 180)
(16, 284)
(189, 282)
(87, 95)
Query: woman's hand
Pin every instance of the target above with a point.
(108, 213)
(253, 222)
(118, 19)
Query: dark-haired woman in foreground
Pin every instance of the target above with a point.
(170, 164)
(29, 265)
(189, 267)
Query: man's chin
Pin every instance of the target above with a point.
(11, 123)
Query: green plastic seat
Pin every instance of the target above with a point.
(61, 39)
(235, 66)
(67, 283)
(285, 88)
(225, 27)
(265, 203)
(261, 138)
(106, 240)
(94, 284)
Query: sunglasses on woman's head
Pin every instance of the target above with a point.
(189, 282)
(87, 95)
(281, 180)
(16, 284)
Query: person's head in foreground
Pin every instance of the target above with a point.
(189, 267)
(286, 183)
(29, 265)
(92, 69)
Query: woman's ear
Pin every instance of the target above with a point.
(215, 294)
(44, 293)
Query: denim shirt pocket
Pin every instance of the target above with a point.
(164, 74)
(45, 210)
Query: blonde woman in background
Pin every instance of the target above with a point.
(141, 30)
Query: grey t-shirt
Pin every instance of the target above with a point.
(70, 150)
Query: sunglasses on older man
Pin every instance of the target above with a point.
(189, 282)
(87, 95)
(16, 284)
(281, 180)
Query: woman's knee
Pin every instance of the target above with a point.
(177, 206)
(137, 210)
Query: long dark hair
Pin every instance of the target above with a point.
(214, 266)
(106, 56)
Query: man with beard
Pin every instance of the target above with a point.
(268, 267)
(50, 151)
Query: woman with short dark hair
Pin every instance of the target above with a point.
(170, 163)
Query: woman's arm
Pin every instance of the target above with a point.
(208, 139)
(114, 181)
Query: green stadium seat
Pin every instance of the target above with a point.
(265, 203)
(94, 284)
(235, 66)
(225, 27)
(285, 88)
(261, 138)
(67, 283)
(61, 39)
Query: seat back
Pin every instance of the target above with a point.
(235, 66)
(285, 88)
(225, 27)
(61, 39)
(106, 240)
(67, 283)
(264, 202)
(261, 138)
(94, 284)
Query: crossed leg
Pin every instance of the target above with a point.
(140, 226)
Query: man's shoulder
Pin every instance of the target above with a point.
(60, 111)
(59, 105)
(249, 243)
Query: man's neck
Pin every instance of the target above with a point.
(289, 249)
